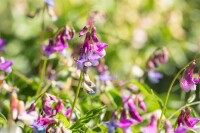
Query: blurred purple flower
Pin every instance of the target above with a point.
(187, 82)
(49, 2)
(159, 56)
(112, 124)
(5, 65)
(133, 110)
(152, 127)
(125, 123)
(47, 105)
(42, 123)
(53, 47)
(182, 129)
(142, 104)
(2, 44)
(168, 127)
(154, 76)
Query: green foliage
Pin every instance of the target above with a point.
(92, 114)
(62, 119)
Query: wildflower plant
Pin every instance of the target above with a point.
(70, 84)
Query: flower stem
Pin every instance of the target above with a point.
(170, 88)
(42, 74)
(77, 93)
(22, 77)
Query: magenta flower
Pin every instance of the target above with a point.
(2, 44)
(168, 127)
(152, 127)
(42, 124)
(47, 105)
(184, 120)
(5, 65)
(125, 123)
(187, 82)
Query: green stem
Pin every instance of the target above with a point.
(170, 88)
(42, 76)
(77, 93)
(22, 77)
(43, 92)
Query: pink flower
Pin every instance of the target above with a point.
(152, 127)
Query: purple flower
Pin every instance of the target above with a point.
(152, 127)
(2, 44)
(168, 127)
(125, 123)
(154, 76)
(187, 82)
(42, 123)
(133, 112)
(182, 129)
(142, 104)
(91, 49)
(159, 56)
(184, 120)
(5, 65)
(49, 2)
(47, 105)
(53, 47)
(112, 124)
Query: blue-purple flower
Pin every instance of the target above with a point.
(188, 82)
(5, 65)
(2, 44)
(154, 76)
(49, 2)
(112, 124)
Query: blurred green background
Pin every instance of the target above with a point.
(132, 28)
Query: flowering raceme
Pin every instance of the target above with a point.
(159, 56)
(188, 82)
(92, 49)
(60, 44)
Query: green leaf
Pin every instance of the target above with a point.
(148, 92)
(87, 117)
(62, 118)
(115, 97)
(27, 129)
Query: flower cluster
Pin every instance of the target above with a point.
(125, 122)
(92, 49)
(159, 56)
(51, 106)
(18, 110)
(60, 44)
(188, 82)
(185, 122)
